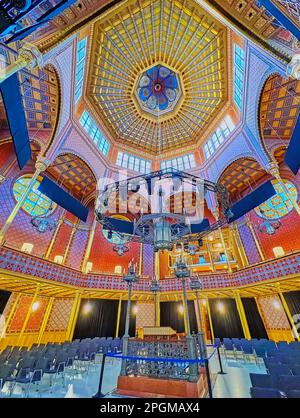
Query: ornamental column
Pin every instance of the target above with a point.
(45, 320)
(156, 265)
(29, 57)
(29, 312)
(118, 317)
(54, 236)
(239, 244)
(40, 166)
(210, 257)
(257, 244)
(216, 216)
(288, 313)
(273, 169)
(73, 316)
(242, 315)
(210, 321)
(10, 317)
(66, 253)
(89, 246)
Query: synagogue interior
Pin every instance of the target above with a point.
(150, 198)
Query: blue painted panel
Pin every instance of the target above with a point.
(252, 200)
(63, 199)
(14, 109)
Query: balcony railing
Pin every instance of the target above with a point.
(21, 263)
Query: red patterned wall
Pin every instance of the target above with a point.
(104, 259)
(286, 236)
(19, 317)
(36, 317)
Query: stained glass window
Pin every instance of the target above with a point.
(218, 137)
(90, 126)
(112, 237)
(180, 163)
(239, 65)
(36, 203)
(279, 205)
(133, 163)
(80, 65)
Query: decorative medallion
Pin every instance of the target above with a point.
(158, 90)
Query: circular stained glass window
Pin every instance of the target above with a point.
(36, 203)
(112, 237)
(278, 205)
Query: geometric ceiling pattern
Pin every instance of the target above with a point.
(279, 108)
(71, 173)
(251, 15)
(40, 93)
(240, 175)
(177, 36)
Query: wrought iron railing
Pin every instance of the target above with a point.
(162, 359)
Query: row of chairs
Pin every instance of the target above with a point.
(274, 386)
(254, 348)
(29, 367)
(283, 378)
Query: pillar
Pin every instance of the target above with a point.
(141, 259)
(73, 316)
(54, 236)
(45, 320)
(89, 245)
(29, 57)
(216, 216)
(225, 249)
(240, 245)
(74, 229)
(156, 265)
(10, 316)
(259, 249)
(118, 317)
(35, 296)
(210, 257)
(40, 165)
(273, 169)
(242, 315)
(288, 313)
(210, 321)
(157, 310)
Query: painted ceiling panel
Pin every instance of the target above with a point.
(158, 73)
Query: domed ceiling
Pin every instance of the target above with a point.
(158, 73)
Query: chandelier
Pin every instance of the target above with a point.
(161, 226)
(42, 223)
(268, 226)
(181, 269)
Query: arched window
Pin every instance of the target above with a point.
(278, 205)
(36, 203)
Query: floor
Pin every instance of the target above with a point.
(234, 384)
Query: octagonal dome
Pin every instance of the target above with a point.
(158, 73)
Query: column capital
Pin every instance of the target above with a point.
(31, 55)
(273, 169)
(216, 214)
(42, 163)
(293, 68)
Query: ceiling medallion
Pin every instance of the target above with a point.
(158, 90)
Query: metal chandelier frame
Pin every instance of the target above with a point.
(170, 227)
